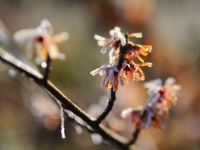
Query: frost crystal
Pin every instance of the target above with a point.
(62, 123)
(62, 117)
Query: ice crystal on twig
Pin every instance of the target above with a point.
(62, 123)
(43, 40)
(62, 117)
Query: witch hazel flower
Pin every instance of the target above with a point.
(118, 38)
(155, 114)
(121, 67)
(43, 40)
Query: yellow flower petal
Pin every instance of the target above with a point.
(60, 37)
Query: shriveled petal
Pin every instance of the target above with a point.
(147, 48)
(60, 37)
(121, 80)
(24, 35)
(98, 70)
(139, 75)
(29, 48)
(154, 84)
(148, 64)
(41, 52)
(54, 52)
(109, 41)
(94, 72)
(99, 38)
(137, 35)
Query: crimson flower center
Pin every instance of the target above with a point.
(40, 39)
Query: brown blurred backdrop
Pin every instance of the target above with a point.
(29, 119)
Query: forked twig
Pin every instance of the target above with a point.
(67, 104)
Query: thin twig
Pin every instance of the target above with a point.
(108, 108)
(134, 137)
(47, 68)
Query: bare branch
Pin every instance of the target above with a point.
(67, 104)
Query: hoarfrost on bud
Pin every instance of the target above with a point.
(96, 138)
(101, 40)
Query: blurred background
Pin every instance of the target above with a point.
(30, 120)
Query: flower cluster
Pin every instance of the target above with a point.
(156, 111)
(121, 65)
(43, 40)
